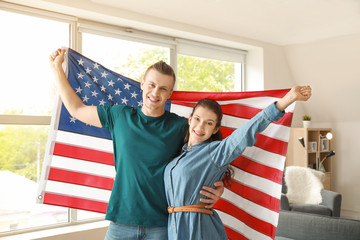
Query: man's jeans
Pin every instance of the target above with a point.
(118, 231)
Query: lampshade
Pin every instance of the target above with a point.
(331, 153)
(329, 135)
(301, 140)
(321, 166)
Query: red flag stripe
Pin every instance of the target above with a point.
(234, 235)
(258, 169)
(226, 131)
(255, 196)
(271, 144)
(83, 179)
(74, 202)
(251, 221)
(236, 110)
(219, 96)
(286, 119)
(82, 153)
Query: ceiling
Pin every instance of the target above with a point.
(281, 22)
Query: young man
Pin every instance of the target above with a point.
(145, 139)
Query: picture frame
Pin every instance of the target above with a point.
(312, 146)
(324, 145)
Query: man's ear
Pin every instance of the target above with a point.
(142, 83)
(171, 92)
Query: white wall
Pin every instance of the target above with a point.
(332, 68)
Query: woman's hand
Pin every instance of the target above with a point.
(301, 93)
(297, 93)
(213, 194)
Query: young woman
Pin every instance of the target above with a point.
(204, 159)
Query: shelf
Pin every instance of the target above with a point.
(297, 155)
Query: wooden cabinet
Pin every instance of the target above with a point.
(317, 146)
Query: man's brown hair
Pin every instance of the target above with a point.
(163, 68)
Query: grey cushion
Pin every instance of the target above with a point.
(283, 238)
(305, 226)
(311, 208)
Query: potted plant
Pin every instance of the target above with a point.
(306, 121)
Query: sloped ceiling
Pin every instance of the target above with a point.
(281, 22)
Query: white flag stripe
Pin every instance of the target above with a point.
(83, 166)
(232, 122)
(239, 226)
(264, 157)
(255, 102)
(273, 130)
(80, 140)
(291, 107)
(74, 190)
(251, 208)
(277, 131)
(264, 185)
(180, 110)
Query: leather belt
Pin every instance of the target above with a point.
(191, 208)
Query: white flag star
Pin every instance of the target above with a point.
(80, 75)
(95, 79)
(140, 103)
(102, 102)
(94, 93)
(104, 74)
(72, 119)
(118, 91)
(127, 86)
(110, 97)
(103, 89)
(111, 83)
(119, 79)
(85, 98)
(88, 70)
(96, 66)
(81, 62)
(78, 90)
(124, 100)
(134, 94)
(87, 84)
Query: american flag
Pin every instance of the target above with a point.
(78, 170)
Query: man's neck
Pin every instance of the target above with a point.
(155, 113)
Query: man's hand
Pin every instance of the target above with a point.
(56, 58)
(213, 194)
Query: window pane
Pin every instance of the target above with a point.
(21, 154)
(86, 215)
(128, 58)
(27, 85)
(207, 75)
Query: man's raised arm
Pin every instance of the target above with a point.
(72, 102)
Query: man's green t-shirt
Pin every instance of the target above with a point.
(143, 146)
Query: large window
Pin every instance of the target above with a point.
(28, 94)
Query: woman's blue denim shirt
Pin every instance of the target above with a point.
(202, 165)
